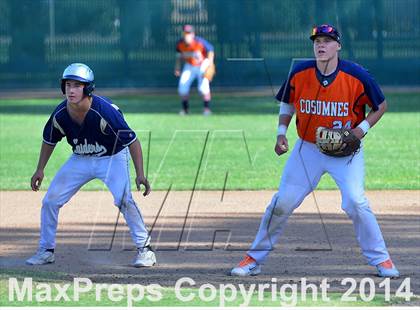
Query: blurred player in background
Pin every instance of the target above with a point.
(198, 57)
(333, 93)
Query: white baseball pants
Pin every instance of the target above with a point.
(77, 171)
(189, 74)
(300, 177)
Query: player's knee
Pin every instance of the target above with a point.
(207, 97)
(119, 202)
(50, 201)
(183, 91)
(204, 88)
(282, 205)
(123, 202)
(354, 203)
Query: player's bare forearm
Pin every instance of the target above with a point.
(44, 155)
(210, 56)
(374, 116)
(177, 69)
(284, 119)
(178, 62)
(282, 145)
(137, 157)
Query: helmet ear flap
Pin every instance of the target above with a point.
(89, 88)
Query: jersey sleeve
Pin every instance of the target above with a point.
(53, 133)
(119, 127)
(209, 47)
(373, 92)
(286, 92)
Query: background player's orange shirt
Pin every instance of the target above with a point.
(195, 52)
(335, 101)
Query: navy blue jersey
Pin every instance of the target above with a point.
(103, 132)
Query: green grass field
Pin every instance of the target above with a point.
(168, 296)
(237, 139)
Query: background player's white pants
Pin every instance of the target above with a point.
(189, 74)
(77, 171)
(300, 177)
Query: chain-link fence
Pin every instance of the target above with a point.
(131, 43)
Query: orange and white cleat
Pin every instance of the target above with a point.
(247, 267)
(387, 269)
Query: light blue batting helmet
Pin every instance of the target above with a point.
(79, 72)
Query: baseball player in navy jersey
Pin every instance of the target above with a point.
(102, 143)
(327, 92)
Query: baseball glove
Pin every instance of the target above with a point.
(337, 142)
(210, 72)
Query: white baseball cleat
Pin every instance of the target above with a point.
(41, 257)
(145, 258)
(247, 267)
(206, 112)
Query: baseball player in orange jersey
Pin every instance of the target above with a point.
(198, 55)
(332, 93)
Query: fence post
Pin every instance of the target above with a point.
(379, 16)
(51, 8)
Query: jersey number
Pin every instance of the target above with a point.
(339, 124)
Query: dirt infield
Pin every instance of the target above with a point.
(211, 239)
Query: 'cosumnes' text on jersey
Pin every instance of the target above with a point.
(334, 101)
(103, 132)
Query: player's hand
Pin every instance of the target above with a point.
(36, 180)
(141, 180)
(177, 72)
(282, 146)
(358, 133)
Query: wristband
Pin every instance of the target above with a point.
(364, 126)
(281, 130)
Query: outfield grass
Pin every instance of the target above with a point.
(177, 143)
(168, 296)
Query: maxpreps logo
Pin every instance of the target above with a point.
(89, 149)
(324, 108)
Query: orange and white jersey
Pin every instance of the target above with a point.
(334, 101)
(195, 52)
